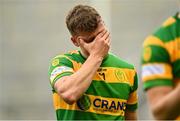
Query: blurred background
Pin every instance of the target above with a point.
(34, 31)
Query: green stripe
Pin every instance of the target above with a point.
(61, 75)
(114, 61)
(80, 115)
(132, 107)
(135, 85)
(168, 33)
(157, 82)
(109, 90)
(158, 54)
(176, 69)
(65, 61)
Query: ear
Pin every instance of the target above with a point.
(75, 41)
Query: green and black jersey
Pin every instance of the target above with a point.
(112, 91)
(161, 55)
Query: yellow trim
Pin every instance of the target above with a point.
(167, 73)
(59, 103)
(169, 21)
(171, 47)
(133, 98)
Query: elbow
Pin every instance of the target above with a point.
(65, 92)
(69, 98)
(67, 95)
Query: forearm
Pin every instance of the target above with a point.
(168, 107)
(72, 87)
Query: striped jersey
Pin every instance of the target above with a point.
(161, 55)
(113, 89)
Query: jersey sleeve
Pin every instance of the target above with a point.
(60, 66)
(132, 103)
(156, 64)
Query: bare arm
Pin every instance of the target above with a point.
(131, 115)
(164, 102)
(71, 88)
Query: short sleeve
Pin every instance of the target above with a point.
(156, 66)
(60, 66)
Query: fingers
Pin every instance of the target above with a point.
(101, 34)
(106, 35)
(108, 40)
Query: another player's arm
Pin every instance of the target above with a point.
(131, 115)
(70, 88)
(164, 102)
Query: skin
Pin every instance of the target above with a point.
(164, 102)
(130, 115)
(94, 46)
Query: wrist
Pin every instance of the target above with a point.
(96, 57)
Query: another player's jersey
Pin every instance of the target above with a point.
(112, 91)
(161, 55)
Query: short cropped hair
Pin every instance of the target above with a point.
(82, 18)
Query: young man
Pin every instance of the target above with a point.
(90, 83)
(161, 69)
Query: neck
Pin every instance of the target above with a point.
(179, 15)
(84, 53)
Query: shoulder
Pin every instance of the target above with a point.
(168, 22)
(69, 55)
(64, 58)
(166, 31)
(118, 62)
(158, 44)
